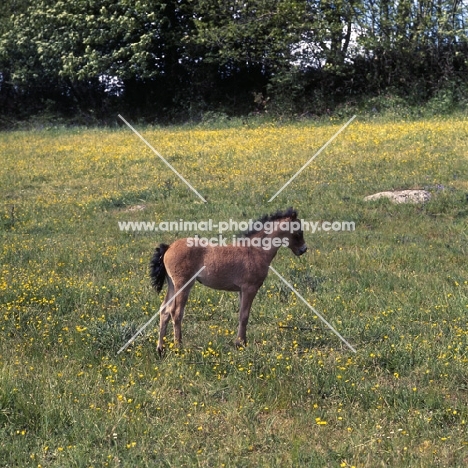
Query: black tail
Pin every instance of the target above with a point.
(157, 268)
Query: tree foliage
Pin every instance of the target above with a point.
(160, 57)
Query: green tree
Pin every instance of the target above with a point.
(8, 8)
(197, 55)
(250, 34)
(414, 44)
(73, 45)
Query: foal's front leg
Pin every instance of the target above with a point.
(246, 297)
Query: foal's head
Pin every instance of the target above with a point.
(283, 225)
(294, 233)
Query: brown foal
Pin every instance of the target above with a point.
(241, 268)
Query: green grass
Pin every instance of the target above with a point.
(74, 289)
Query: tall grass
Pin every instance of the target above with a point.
(74, 289)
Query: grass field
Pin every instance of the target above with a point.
(74, 289)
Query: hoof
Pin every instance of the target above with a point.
(240, 343)
(160, 352)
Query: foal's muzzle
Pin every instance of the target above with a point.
(303, 249)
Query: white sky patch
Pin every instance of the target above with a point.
(312, 54)
(114, 86)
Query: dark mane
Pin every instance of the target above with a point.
(290, 212)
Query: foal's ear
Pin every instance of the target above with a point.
(294, 215)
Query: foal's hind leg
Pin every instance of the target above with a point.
(177, 313)
(165, 315)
